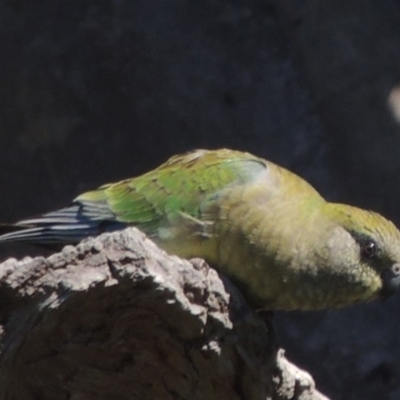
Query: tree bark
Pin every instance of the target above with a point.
(116, 317)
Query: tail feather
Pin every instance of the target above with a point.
(51, 234)
(65, 226)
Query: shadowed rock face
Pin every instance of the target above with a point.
(92, 92)
(349, 55)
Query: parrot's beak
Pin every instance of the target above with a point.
(391, 280)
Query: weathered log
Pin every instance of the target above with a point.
(117, 318)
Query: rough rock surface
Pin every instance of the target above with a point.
(116, 317)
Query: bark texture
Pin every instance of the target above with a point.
(116, 317)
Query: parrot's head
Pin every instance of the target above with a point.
(374, 247)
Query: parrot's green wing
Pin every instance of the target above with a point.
(157, 202)
(180, 186)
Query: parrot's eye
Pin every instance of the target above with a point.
(369, 248)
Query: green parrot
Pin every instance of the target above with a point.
(264, 227)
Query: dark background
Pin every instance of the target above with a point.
(97, 91)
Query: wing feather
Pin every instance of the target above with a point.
(152, 202)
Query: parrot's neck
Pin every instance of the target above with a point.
(259, 240)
